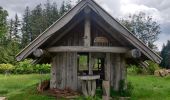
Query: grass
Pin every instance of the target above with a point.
(23, 87)
(150, 87)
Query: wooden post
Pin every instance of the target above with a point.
(90, 64)
(106, 90)
(117, 72)
(106, 82)
(107, 67)
(87, 28)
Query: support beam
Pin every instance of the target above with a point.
(91, 62)
(87, 49)
(87, 28)
(40, 52)
(135, 53)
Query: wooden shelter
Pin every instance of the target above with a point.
(87, 32)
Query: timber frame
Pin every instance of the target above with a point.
(28, 50)
(87, 32)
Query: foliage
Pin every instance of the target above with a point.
(41, 17)
(165, 54)
(152, 67)
(25, 67)
(6, 68)
(3, 22)
(8, 51)
(124, 90)
(143, 27)
(134, 69)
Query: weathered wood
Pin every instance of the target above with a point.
(123, 68)
(87, 49)
(40, 52)
(93, 88)
(90, 64)
(64, 71)
(89, 77)
(66, 31)
(125, 33)
(87, 29)
(106, 90)
(117, 71)
(84, 88)
(89, 84)
(107, 67)
(53, 73)
(89, 87)
(135, 53)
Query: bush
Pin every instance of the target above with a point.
(152, 67)
(44, 68)
(6, 68)
(25, 67)
(134, 69)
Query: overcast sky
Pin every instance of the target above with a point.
(158, 9)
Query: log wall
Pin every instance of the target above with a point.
(64, 71)
(118, 70)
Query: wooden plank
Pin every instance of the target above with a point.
(110, 31)
(123, 68)
(53, 74)
(87, 49)
(107, 67)
(75, 75)
(66, 31)
(90, 64)
(84, 89)
(87, 31)
(106, 90)
(117, 72)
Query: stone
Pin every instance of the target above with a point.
(3, 98)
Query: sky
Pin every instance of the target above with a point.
(158, 9)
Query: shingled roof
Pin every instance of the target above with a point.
(65, 19)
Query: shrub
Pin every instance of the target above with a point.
(152, 67)
(44, 68)
(134, 69)
(26, 67)
(6, 68)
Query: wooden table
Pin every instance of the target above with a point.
(89, 84)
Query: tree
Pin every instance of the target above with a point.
(63, 8)
(165, 54)
(3, 22)
(11, 28)
(38, 24)
(26, 29)
(16, 28)
(143, 27)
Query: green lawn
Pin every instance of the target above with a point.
(150, 87)
(22, 87)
